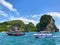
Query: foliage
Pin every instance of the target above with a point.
(5, 26)
(30, 27)
(44, 21)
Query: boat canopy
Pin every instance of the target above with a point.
(45, 32)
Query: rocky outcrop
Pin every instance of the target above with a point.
(47, 23)
(50, 26)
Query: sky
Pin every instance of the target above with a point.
(29, 10)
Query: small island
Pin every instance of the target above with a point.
(46, 23)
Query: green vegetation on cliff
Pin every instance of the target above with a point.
(30, 27)
(24, 27)
(44, 21)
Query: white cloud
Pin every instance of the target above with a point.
(34, 16)
(28, 20)
(25, 20)
(58, 26)
(54, 14)
(8, 5)
(2, 21)
(2, 13)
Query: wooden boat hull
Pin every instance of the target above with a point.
(15, 34)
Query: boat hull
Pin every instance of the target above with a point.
(16, 34)
(42, 35)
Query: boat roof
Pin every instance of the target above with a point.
(45, 32)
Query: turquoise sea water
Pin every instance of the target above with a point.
(29, 39)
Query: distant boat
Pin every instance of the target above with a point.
(15, 30)
(15, 33)
(43, 34)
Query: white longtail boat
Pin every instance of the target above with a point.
(43, 34)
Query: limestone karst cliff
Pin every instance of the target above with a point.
(47, 23)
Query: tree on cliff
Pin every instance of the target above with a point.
(30, 27)
(44, 21)
(6, 25)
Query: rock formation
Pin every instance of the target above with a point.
(47, 23)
